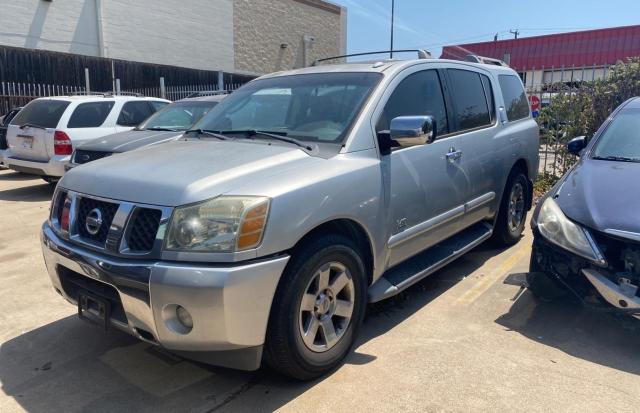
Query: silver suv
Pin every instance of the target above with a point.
(304, 195)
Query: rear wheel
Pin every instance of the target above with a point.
(318, 308)
(513, 210)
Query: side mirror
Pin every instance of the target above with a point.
(413, 130)
(576, 145)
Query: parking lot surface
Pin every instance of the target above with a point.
(465, 339)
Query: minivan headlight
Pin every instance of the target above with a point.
(557, 228)
(223, 224)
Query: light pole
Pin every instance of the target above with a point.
(392, 10)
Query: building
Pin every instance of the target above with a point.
(240, 37)
(564, 57)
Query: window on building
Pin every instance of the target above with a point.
(90, 115)
(469, 99)
(419, 94)
(515, 100)
(133, 113)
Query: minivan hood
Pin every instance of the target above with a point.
(128, 141)
(602, 195)
(184, 171)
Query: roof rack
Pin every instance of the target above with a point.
(485, 60)
(422, 54)
(104, 94)
(202, 93)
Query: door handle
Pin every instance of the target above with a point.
(453, 154)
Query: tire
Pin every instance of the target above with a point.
(542, 286)
(506, 231)
(286, 349)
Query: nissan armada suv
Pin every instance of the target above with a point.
(263, 233)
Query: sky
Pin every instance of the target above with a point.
(428, 24)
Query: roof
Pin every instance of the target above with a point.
(586, 48)
(77, 98)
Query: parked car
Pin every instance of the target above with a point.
(163, 126)
(4, 123)
(586, 229)
(298, 199)
(41, 137)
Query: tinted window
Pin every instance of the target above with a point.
(45, 113)
(310, 107)
(621, 139)
(419, 94)
(90, 115)
(178, 116)
(515, 100)
(469, 100)
(133, 113)
(488, 90)
(157, 104)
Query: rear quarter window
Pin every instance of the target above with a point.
(45, 113)
(90, 115)
(515, 100)
(469, 99)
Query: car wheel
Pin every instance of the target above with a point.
(541, 285)
(512, 215)
(51, 180)
(318, 308)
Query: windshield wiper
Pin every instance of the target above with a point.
(157, 128)
(280, 136)
(616, 158)
(31, 125)
(208, 133)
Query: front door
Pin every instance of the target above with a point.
(428, 184)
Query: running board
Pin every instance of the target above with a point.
(427, 262)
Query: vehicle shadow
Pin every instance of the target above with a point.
(603, 338)
(9, 175)
(33, 193)
(70, 366)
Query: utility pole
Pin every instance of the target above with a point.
(392, 11)
(515, 32)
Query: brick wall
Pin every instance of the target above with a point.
(260, 28)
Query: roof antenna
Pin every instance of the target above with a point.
(515, 32)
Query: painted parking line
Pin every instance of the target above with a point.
(487, 281)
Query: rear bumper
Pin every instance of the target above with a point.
(229, 305)
(53, 167)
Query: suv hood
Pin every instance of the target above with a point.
(184, 171)
(602, 195)
(128, 141)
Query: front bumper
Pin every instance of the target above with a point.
(581, 276)
(53, 167)
(229, 304)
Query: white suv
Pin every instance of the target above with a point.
(41, 138)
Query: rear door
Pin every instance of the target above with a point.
(30, 133)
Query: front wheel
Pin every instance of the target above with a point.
(513, 210)
(318, 308)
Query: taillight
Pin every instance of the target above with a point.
(62, 143)
(64, 215)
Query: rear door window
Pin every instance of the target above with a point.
(90, 115)
(515, 100)
(419, 94)
(488, 91)
(469, 100)
(133, 113)
(45, 113)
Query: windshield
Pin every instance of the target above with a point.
(45, 113)
(178, 116)
(312, 107)
(621, 139)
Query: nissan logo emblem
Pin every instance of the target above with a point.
(93, 222)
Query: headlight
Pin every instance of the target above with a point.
(223, 224)
(557, 228)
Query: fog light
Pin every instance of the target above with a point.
(184, 317)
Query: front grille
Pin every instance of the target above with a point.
(73, 282)
(107, 212)
(83, 156)
(144, 229)
(59, 205)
